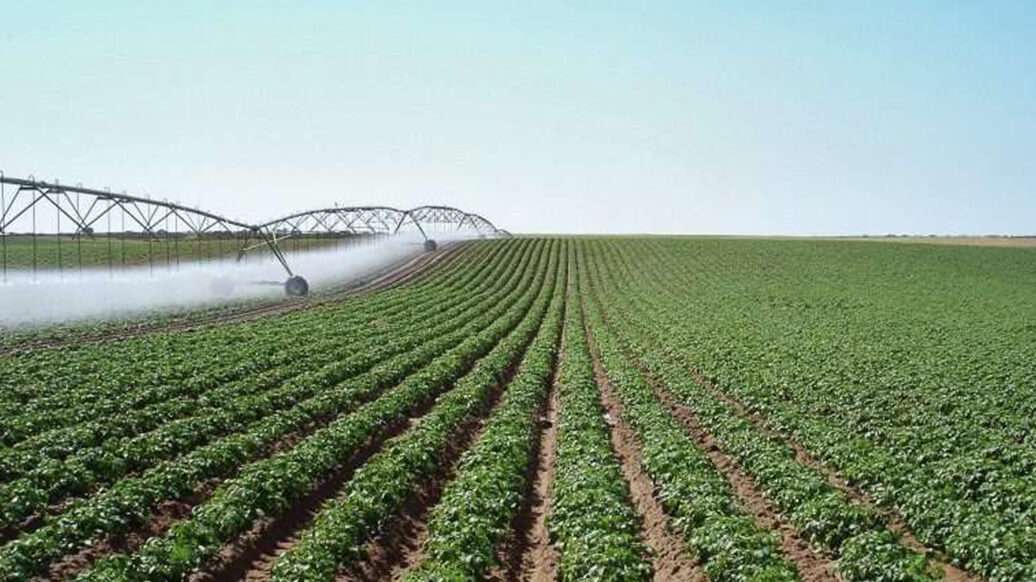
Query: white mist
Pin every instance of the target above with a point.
(97, 294)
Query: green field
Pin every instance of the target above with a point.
(595, 408)
(70, 252)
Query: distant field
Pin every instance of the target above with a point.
(68, 252)
(607, 408)
(981, 241)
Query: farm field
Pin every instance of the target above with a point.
(598, 408)
(73, 332)
(52, 252)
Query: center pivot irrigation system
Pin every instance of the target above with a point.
(52, 226)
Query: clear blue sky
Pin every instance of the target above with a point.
(767, 117)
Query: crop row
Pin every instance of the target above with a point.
(135, 417)
(821, 514)
(479, 505)
(36, 381)
(973, 398)
(726, 540)
(129, 501)
(91, 466)
(58, 443)
(960, 487)
(380, 488)
(144, 371)
(591, 523)
(268, 487)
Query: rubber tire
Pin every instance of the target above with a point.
(296, 287)
(429, 245)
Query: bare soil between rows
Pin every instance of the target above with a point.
(166, 514)
(400, 547)
(527, 555)
(252, 555)
(671, 559)
(812, 565)
(895, 522)
(170, 511)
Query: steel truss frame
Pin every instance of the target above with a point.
(151, 216)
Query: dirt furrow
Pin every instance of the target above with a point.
(670, 558)
(168, 512)
(165, 515)
(527, 555)
(252, 555)
(893, 520)
(812, 565)
(400, 547)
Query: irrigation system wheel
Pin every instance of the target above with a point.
(296, 286)
(429, 245)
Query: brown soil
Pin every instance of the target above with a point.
(528, 554)
(170, 511)
(400, 547)
(165, 515)
(812, 565)
(893, 520)
(252, 555)
(394, 275)
(35, 521)
(670, 557)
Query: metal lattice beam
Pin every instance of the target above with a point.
(140, 216)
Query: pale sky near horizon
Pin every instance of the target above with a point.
(664, 117)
